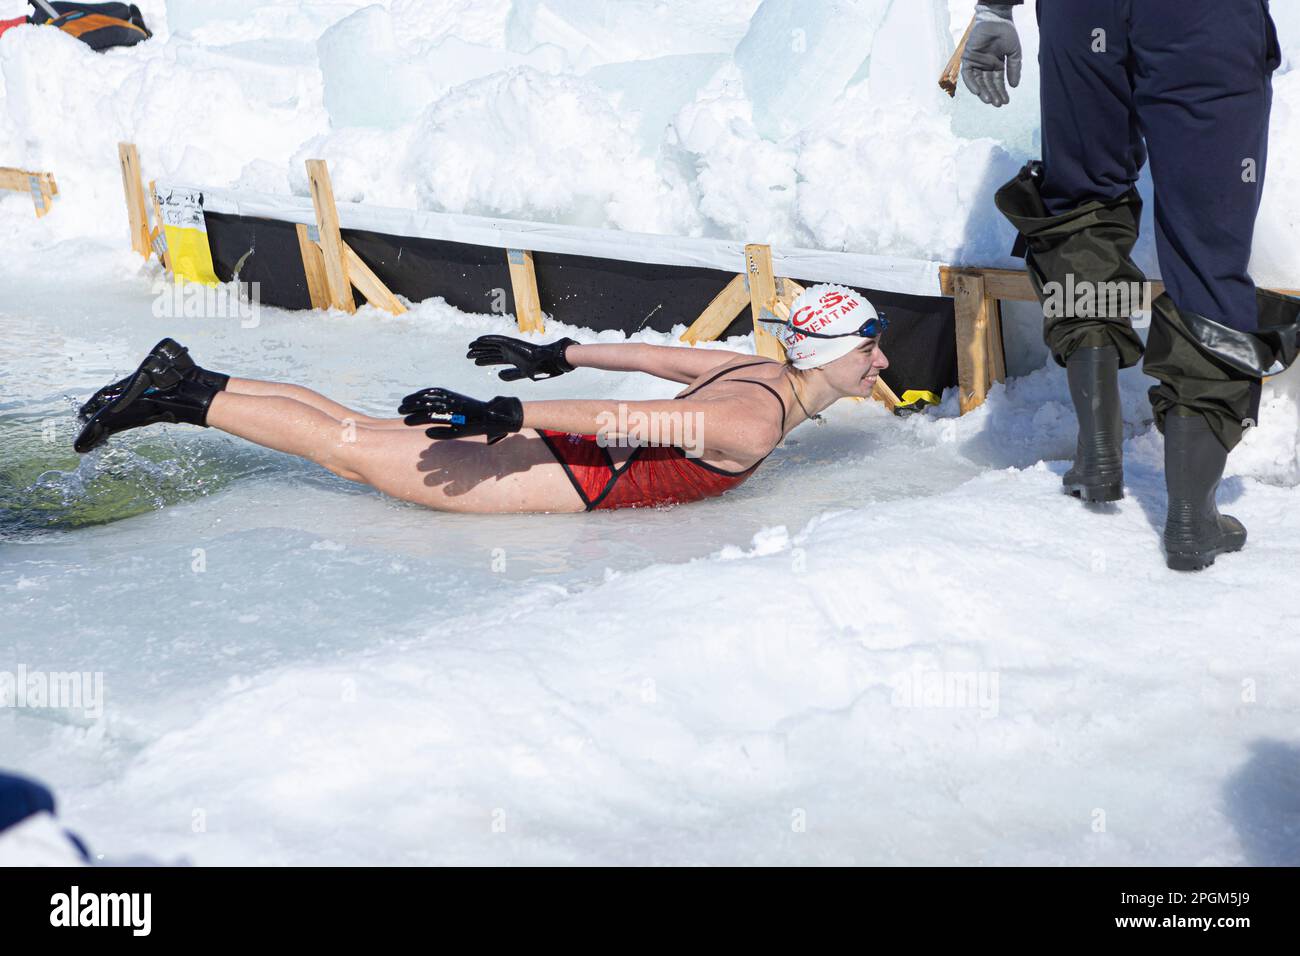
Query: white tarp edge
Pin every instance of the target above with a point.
(908, 276)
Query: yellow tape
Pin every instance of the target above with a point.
(916, 397)
(190, 254)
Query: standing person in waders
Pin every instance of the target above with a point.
(1188, 84)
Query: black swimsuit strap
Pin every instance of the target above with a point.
(775, 394)
(709, 381)
(748, 381)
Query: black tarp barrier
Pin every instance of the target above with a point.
(585, 291)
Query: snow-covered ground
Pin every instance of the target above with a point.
(897, 643)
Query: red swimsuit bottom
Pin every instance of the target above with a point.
(651, 475)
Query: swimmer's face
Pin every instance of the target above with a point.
(856, 374)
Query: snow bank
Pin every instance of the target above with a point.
(655, 90)
(797, 58)
(191, 111)
(812, 124)
(373, 80)
(593, 32)
(877, 178)
(532, 146)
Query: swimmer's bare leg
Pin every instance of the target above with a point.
(299, 393)
(288, 425)
(519, 474)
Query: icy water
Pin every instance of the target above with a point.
(176, 560)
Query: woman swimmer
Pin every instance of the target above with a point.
(505, 455)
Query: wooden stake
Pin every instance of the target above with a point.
(523, 281)
(371, 286)
(133, 186)
(719, 314)
(885, 395)
(313, 267)
(762, 295)
(952, 72)
(997, 355)
(158, 229)
(789, 290)
(40, 186)
(337, 282)
(971, 305)
(48, 190)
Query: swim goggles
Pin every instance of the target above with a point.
(869, 329)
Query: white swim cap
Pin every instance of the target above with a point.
(827, 322)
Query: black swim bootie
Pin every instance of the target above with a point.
(1195, 532)
(167, 363)
(167, 387)
(1098, 472)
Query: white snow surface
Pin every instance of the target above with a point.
(299, 670)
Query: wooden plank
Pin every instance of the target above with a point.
(719, 314)
(158, 227)
(49, 190)
(21, 180)
(523, 281)
(884, 394)
(338, 284)
(371, 286)
(1012, 285)
(996, 353)
(970, 300)
(313, 267)
(788, 290)
(133, 187)
(14, 179)
(948, 78)
(762, 295)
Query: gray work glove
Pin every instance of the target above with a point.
(992, 58)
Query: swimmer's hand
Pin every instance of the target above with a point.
(459, 416)
(537, 362)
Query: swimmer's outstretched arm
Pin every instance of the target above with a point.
(529, 360)
(675, 363)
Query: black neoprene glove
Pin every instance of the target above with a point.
(458, 416)
(536, 362)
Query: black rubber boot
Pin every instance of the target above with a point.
(166, 364)
(167, 387)
(1098, 472)
(1195, 532)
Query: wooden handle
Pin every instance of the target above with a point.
(948, 79)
